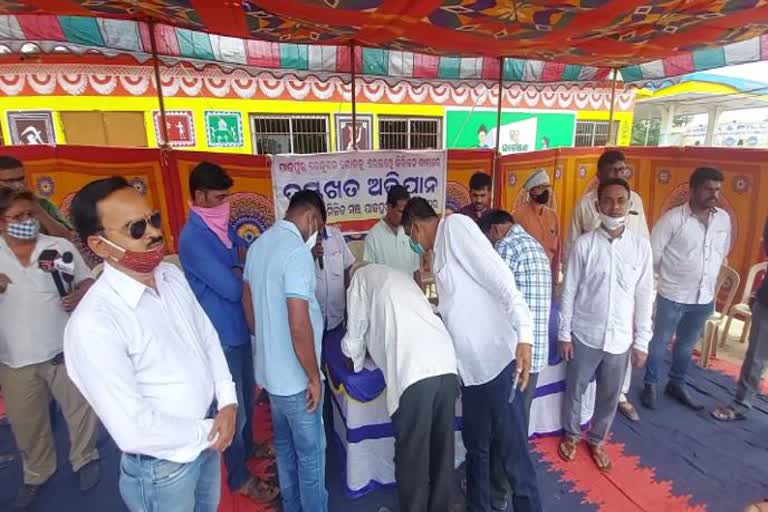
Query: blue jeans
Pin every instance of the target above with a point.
(300, 447)
(685, 322)
(493, 424)
(153, 485)
(240, 362)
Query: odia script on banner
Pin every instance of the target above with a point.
(354, 184)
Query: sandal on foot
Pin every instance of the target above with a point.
(601, 459)
(727, 413)
(260, 491)
(567, 448)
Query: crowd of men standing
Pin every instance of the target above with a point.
(168, 358)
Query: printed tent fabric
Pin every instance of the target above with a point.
(542, 41)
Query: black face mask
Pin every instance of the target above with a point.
(542, 198)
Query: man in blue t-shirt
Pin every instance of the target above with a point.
(280, 273)
(215, 273)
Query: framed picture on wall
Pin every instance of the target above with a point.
(344, 132)
(180, 125)
(31, 127)
(224, 129)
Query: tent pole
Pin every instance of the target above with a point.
(160, 98)
(354, 96)
(497, 156)
(613, 101)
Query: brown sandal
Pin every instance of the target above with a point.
(602, 461)
(567, 448)
(260, 491)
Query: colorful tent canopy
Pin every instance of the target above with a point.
(646, 39)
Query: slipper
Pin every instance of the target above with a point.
(260, 491)
(760, 506)
(628, 410)
(567, 448)
(727, 413)
(602, 461)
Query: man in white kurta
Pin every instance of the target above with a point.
(391, 319)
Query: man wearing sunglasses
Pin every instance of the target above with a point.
(212, 265)
(146, 357)
(281, 276)
(52, 221)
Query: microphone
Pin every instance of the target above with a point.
(66, 266)
(47, 263)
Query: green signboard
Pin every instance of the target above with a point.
(224, 129)
(521, 131)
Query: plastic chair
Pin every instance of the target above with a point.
(742, 310)
(725, 291)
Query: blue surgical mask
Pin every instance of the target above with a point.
(416, 247)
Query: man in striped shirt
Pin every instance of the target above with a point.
(530, 265)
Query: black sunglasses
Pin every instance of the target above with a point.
(138, 228)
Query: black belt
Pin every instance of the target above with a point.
(138, 456)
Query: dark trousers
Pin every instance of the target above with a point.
(499, 483)
(754, 360)
(240, 362)
(494, 424)
(424, 425)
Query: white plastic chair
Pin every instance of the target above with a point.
(742, 311)
(725, 291)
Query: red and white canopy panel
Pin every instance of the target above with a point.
(540, 40)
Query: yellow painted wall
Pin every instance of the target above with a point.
(625, 120)
(198, 106)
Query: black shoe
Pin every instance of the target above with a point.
(680, 394)
(90, 474)
(648, 396)
(27, 495)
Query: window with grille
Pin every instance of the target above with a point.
(409, 133)
(594, 133)
(289, 134)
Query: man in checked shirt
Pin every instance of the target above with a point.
(530, 265)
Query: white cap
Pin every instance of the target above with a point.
(540, 177)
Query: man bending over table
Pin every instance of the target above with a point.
(390, 318)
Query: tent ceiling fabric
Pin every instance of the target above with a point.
(649, 39)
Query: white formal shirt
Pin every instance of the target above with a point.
(337, 259)
(607, 298)
(32, 319)
(149, 363)
(390, 317)
(390, 248)
(586, 218)
(688, 254)
(478, 300)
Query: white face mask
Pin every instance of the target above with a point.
(612, 223)
(312, 240)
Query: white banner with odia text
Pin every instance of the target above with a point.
(354, 184)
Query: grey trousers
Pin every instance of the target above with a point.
(754, 360)
(608, 370)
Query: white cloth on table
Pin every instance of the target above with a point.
(149, 362)
(687, 254)
(390, 318)
(480, 304)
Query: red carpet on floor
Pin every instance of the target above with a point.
(234, 502)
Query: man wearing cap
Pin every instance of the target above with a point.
(539, 220)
